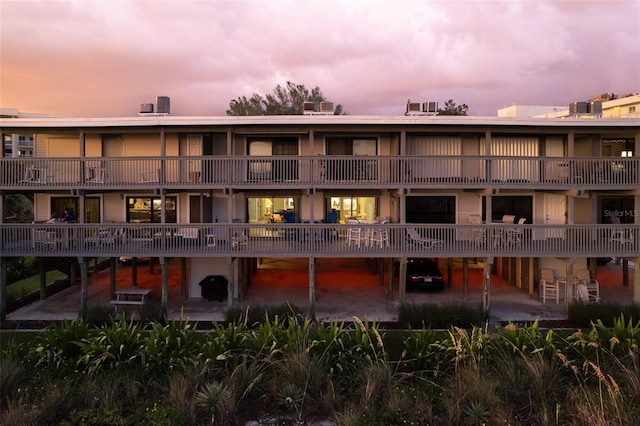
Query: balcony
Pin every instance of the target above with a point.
(320, 172)
(318, 240)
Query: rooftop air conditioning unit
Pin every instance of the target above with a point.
(326, 107)
(595, 108)
(413, 107)
(146, 108)
(308, 107)
(578, 108)
(430, 107)
(163, 104)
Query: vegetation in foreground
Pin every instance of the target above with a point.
(292, 370)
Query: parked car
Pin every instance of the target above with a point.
(423, 273)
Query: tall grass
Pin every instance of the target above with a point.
(296, 370)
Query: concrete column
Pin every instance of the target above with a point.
(402, 280)
(625, 272)
(486, 287)
(231, 285)
(312, 287)
(569, 284)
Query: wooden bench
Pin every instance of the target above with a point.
(131, 297)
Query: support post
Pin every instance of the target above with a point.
(486, 289)
(449, 272)
(231, 284)
(390, 280)
(312, 287)
(402, 281)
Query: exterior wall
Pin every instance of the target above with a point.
(199, 268)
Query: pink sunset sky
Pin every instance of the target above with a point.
(104, 58)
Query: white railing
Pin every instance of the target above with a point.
(318, 240)
(320, 171)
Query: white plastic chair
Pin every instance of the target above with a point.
(427, 243)
(593, 286)
(356, 234)
(549, 286)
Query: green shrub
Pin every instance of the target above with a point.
(60, 345)
(583, 314)
(439, 316)
(95, 417)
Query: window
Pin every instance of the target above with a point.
(91, 208)
(352, 169)
(338, 209)
(271, 209)
(149, 210)
(519, 206)
(351, 146)
(280, 169)
(431, 209)
(632, 109)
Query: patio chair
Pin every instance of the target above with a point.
(549, 286)
(593, 286)
(211, 238)
(427, 243)
(508, 218)
(239, 241)
(355, 234)
(150, 176)
(478, 234)
(583, 295)
(514, 235)
(380, 236)
(45, 238)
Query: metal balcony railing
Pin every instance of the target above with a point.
(318, 240)
(301, 172)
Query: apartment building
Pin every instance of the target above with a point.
(219, 193)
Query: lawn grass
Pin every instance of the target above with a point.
(31, 284)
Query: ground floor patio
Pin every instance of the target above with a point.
(344, 288)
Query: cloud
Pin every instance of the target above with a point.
(104, 58)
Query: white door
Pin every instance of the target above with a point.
(555, 207)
